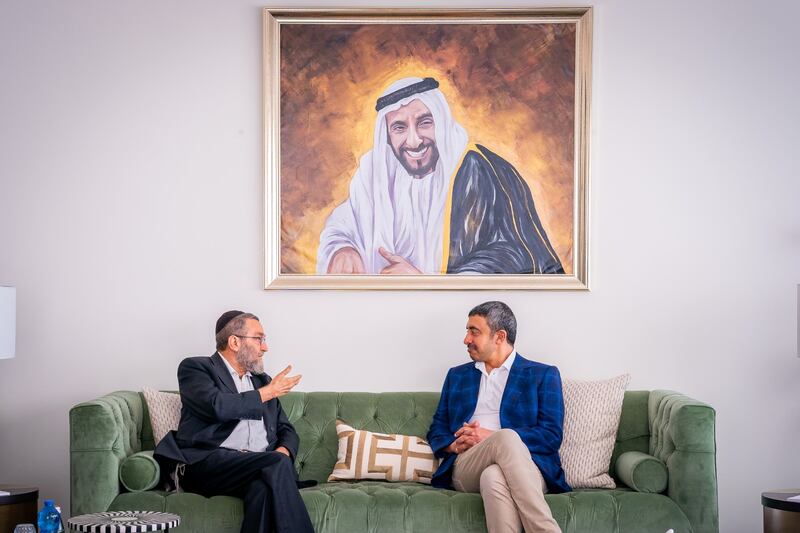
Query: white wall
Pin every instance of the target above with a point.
(131, 216)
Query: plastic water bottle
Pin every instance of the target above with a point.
(49, 519)
(60, 520)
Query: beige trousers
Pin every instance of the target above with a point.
(512, 488)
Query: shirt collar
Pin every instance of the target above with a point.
(480, 365)
(233, 371)
(509, 360)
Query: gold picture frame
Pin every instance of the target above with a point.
(320, 70)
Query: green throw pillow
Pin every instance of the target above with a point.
(139, 472)
(642, 472)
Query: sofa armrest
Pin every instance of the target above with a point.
(102, 432)
(682, 435)
(642, 472)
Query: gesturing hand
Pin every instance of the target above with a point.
(397, 264)
(280, 385)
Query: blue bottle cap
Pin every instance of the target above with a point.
(49, 502)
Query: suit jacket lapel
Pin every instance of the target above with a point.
(470, 391)
(512, 390)
(222, 372)
(259, 380)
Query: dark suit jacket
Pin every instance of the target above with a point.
(211, 408)
(532, 405)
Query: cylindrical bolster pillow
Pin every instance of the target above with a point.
(642, 472)
(139, 472)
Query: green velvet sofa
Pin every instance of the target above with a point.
(675, 429)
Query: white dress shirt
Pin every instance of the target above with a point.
(250, 435)
(490, 395)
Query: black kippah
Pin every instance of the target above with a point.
(226, 317)
(427, 84)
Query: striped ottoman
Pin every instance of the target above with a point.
(123, 522)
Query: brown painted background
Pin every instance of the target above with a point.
(511, 86)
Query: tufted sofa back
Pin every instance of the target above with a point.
(314, 417)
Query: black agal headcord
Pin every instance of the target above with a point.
(427, 84)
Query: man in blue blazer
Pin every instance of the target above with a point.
(498, 426)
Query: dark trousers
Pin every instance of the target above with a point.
(266, 482)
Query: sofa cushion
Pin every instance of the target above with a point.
(219, 514)
(139, 472)
(591, 417)
(165, 411)
(367, 455)
(616, 510)
(642, 472)
(345, 507)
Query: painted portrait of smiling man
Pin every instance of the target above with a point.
(431, 150)
(435, 178)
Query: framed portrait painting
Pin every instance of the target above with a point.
(426, 149)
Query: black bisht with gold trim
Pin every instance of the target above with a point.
(494, 227)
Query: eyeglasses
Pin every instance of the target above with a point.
(262, 340)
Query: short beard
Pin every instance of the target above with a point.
(248, 359)
(419, 171)
(476, 355)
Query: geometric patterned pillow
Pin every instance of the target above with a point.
(591, 418)
(165, 411)
(367, 455)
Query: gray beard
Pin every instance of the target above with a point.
(249, 360)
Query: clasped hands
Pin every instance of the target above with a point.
(470, 434)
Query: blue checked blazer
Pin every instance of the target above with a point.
(532, 405)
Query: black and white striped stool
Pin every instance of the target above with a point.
(123, 522)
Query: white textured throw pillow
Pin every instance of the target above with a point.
(165, 411)
(591, 419)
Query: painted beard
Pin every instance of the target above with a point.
(249, 359)
(419, 162)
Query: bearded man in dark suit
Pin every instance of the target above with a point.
(233, 437)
